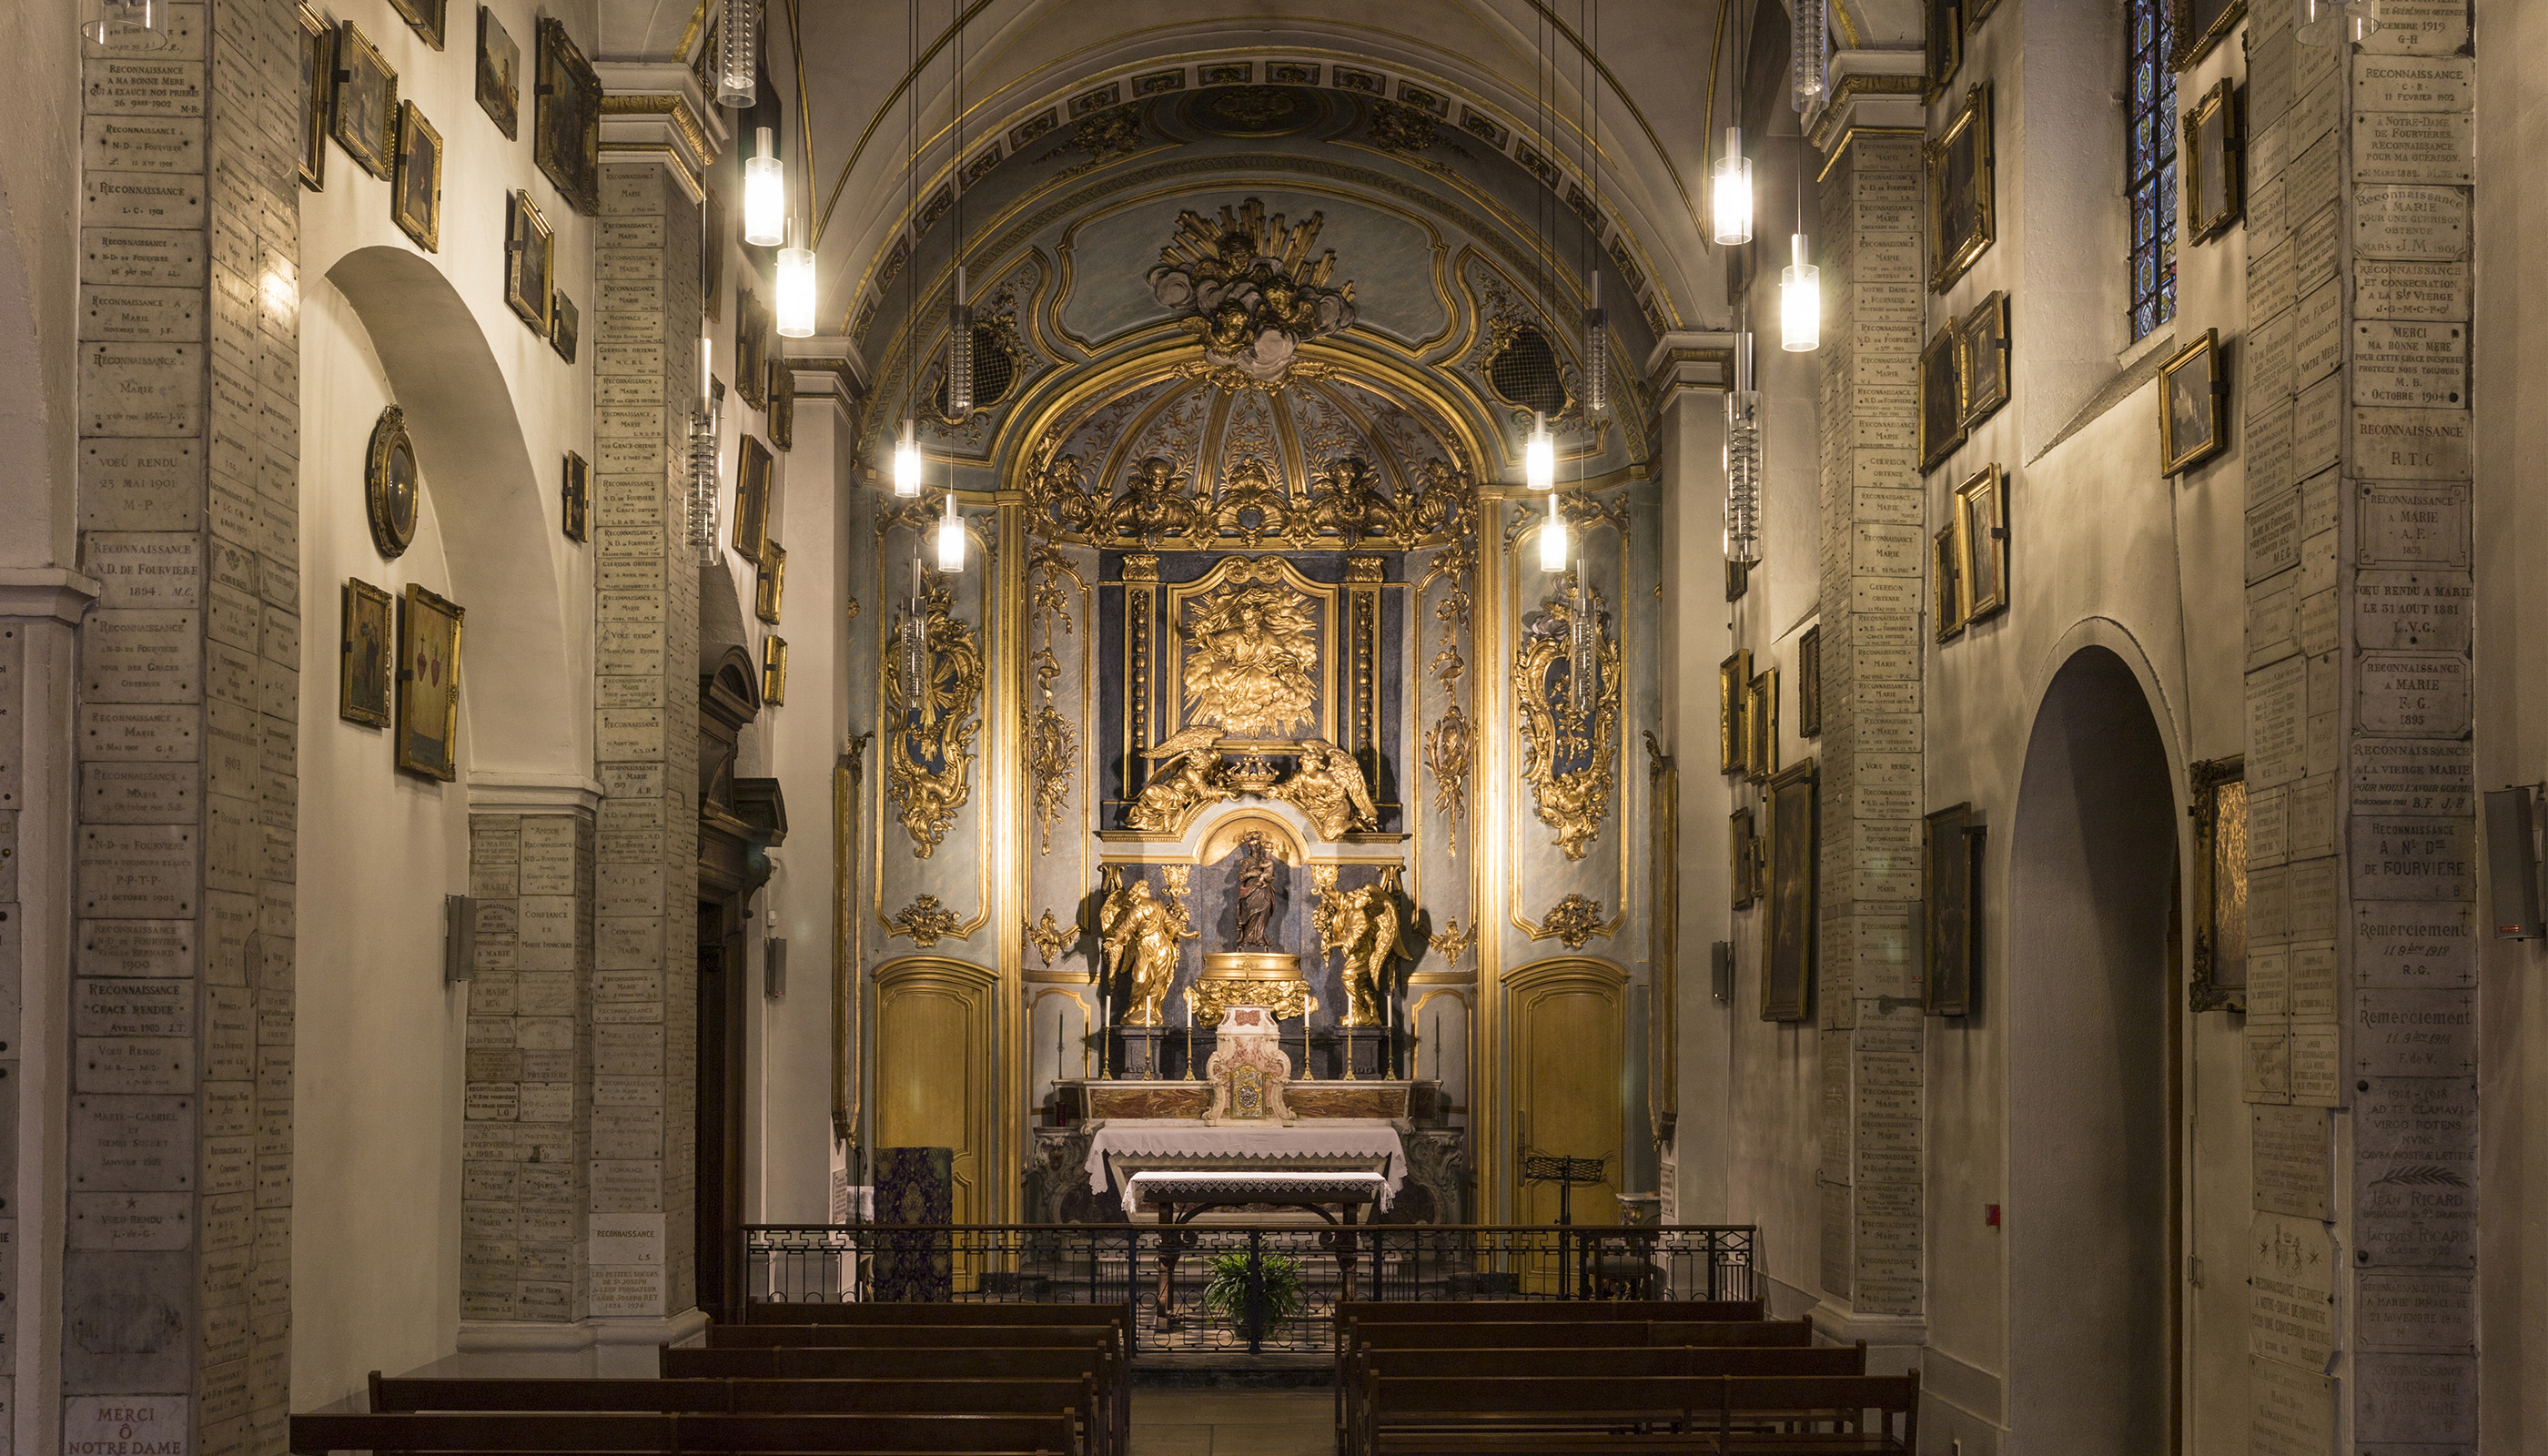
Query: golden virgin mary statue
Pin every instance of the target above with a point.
(1250, 656)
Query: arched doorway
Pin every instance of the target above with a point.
(2091, 888)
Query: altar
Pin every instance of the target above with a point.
(1121, 1152)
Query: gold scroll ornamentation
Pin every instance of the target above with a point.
(924, 921)
(1573, 921)
(1453, 943)
(1050, 936)
(1448, 748)
(1052, 744)
(930, 760)
(1570, 736)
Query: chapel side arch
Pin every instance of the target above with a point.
(519, 654)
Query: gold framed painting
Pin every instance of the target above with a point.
(424, 17)
(1761, 726)
(1733, 682)
(751, 350)
(499, 75)
(416, 196)
(770, 583)
(1943, 21)
(574, 497)
(2212, 162)
(1981, 345)
(1957, 171)
(1981, 531)
(2220, 888)
(1947, 580)
(1743, 859)
(566, 118)
(1942, 398)
(365, 650)
(1809, 682)
(428, 685)
(393, 485)
(1788, 880)
(1950, 911)
(564, 324)
(530, 257)
(774, 671)
(2193, 405)
(2199, 25)
(782, 404)
(318, 87)
(362, 105)
(752, 498)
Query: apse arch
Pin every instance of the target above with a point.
(2088, 977)
(496, 529)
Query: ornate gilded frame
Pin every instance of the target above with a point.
(1789, 850)
(2195, 370)
(1239, 572)
(1573, 802)
(1733, 682)
(2218, 885)
(2213, 141)
(1959, 158)
(1761, 726)
(1950, 919)
(1981, 544)
(419, 612)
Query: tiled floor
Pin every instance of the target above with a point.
(1233, 1423)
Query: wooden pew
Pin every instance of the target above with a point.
(871, 1312)
(952, 1336)
(1711, 1416)
(1358, 1332)
(1378, 1366)
(1075, 1398)
(620, 1432)
(885, 1359)
(1545, 1311)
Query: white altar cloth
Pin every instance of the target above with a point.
(1244, 1186)
(1198, 1146)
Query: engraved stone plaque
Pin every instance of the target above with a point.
(2412, 610)
(2415, 1402)
(2419, 1311)
(2267, 1066)
(2291, 1158)
(2408, 222)
(151, 257)
(139, 793)
(140, 484)
(130, 1007)
(2317, 1066)
(2290, 1276)
(2418, 1033)
(2315, 338)
(2386, 288)
(149, 1066)
(2412, 444)
(2419, 146)
(2415, 1171)
(141, 199)
(128, 1425)
(2435, 83)
(132, 1220)
(131, 1144)
(2412, 695)
(160, 948)
(2408, 859)
(142, 656)
(2414, 524)
(2275, 751)
(2291, 1412)
(2317, 426)
(137, 871)
(2414, 943)
(124, 312)
(2415, 366)
(2420, 28)
(146, 569)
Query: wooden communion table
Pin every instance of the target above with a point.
(1178, 1197)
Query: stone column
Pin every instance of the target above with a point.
(175, 1312)
(2361, 1024)
(1874, 549)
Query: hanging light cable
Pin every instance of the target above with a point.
(1743, 460)
(906, 450)
(1800, 284)
(739, 56)
(765, 195)
(1596, 328)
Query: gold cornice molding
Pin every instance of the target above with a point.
(684, 116)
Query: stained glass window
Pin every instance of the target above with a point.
(2149, 166)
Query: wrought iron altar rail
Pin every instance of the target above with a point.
(1232, 1287)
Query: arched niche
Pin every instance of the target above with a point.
(488, 497)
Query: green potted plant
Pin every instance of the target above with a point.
(1277, 1293)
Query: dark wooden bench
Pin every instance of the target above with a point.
(952, 1336)
(1378, 1368)
(871, 1312)
(1545, 1311)
(1508, 1333)
(992, 1356)
(1706, 1416)
(1075, 1398)
(491, 1434)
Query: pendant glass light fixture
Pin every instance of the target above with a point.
(1805, 53)
(739, 57)
(1733, 193)
(911, 659)
(1800, 302)
(128, 25)
(1743, 460)
(906, 459)
(959, 352)
(793, 301)
(1552, 538)
(1539, 455)
(703, 461)
(1596, 352)
(950, 537)
(2334, 22)
(765, 195)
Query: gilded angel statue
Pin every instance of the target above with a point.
(1185, 772)
(1330, 788)
(1364, 923)
(1138, 931)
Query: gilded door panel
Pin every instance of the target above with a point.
(934, 1076)
(1569, 1060)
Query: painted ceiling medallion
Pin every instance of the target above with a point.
(1245, 284)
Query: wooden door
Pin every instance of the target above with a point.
(936, 1048)
(1570, 1068)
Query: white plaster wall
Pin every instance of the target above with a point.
(39, 139)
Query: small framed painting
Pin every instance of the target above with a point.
(574, 497)
(2212, 162)
(1733, 681)
(2193, 405)
(364, 652)
(751, 350)
(2198, 26)
(527, 262)
(1982, 339)
(712, 250)
(416, 198)
(2219, 889)
(1950, 919)
(362, 111)
(1788, 879)
(318, 87)
(1743, 859)
(782, 404)
(770, 584)
(1957, 169)
(752, 498)
(428, 685)
(424, 17)
(1942, 398)
(566, 118)
(774, 671)
(1761, 727)
(1981, 530)
(564, 324)
(499, 75)
(1946, 581)
(1809, 682)
(1944, 21)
